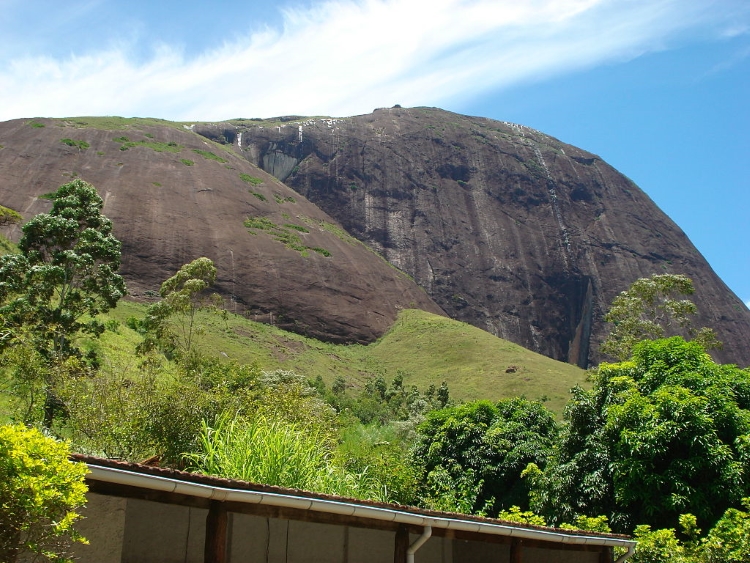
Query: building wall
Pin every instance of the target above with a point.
(138, 531)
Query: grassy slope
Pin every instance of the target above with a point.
(428, 348)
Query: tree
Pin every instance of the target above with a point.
(171, 323)
(478, 451)
(65, 275)
(40, 493)
(648, 310)
(658, 436)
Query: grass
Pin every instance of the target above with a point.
(156, 146)
(6, 246)
(209, 155)
(187, 162)
(260, 196)
(82, 145)
(9, 216)
(113, 123)
(283, 234)
(428, 348)
(250, 179)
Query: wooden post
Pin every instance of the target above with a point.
(515, 550)
(606, 555)
(401, 544)
(215, 547)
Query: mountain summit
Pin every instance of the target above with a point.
(329, 226)
(505, 227)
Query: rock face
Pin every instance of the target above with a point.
(174, 196)
(505, 227)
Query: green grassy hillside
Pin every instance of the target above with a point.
(427, 348)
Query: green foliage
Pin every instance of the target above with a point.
(36, 124)
(260, 196)
(9, 216)
(209, 155)
(588, 523)
(250, 179)
(658, 546)
(287, 235)
(323, 251)
(648, 309)
(187, 162)
(6, 246)
(428, 348)
(110, 411)
(658, 436)
(40, 493)
(729, 540)
(27, 376)
(381, 451)
(487, 444)
(81, 145)
(65, 275)
(156, 146)
(171, 323)
(63, 278)
(276, 452)
(515, 514)
(262, 223)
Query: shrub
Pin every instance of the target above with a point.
(275, 452)
(40, 491)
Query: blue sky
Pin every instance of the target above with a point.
(658, 88)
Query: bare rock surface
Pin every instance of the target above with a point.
(174, 196)
(505, 227)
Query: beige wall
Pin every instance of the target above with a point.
(138, 531)
(104, 527)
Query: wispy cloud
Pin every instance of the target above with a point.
(345, 57)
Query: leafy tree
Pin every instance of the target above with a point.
(40, 493)
(729, 540)
(658, 436)
(171, 323)
(66, 273)
(649, 309)
(64, 276)
(479, 450)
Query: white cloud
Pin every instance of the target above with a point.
(344, 57)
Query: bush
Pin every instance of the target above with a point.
(40, 491)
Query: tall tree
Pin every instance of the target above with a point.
(171, 323)
(65, 275)
(471, 456)
(653, 308)
(664, 434)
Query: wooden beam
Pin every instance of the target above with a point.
(215, 547)
(401, 544)
(516, 549)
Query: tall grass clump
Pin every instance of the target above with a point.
(275, 452)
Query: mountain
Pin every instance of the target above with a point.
(503, 227)
(174, 196)
(506, 228)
